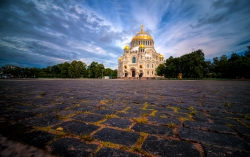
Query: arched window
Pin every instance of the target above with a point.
(133, 60)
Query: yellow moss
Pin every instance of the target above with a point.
(100, 121)
(43, 93)
(174, 108)
(141, 120)
(191, 108)
(76, 105)
(87, 112)
(103, 102)
(128, 129)
(109, 144)
(109, 116)
(182, 119)
(141, 139)
(145, 105)
(164, 116)
(59, 129)
(87, 138)
(171, 125)
(153, 113)
(176, 131)
(125, 109)
(67, 108)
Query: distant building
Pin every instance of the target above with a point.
(140, 59)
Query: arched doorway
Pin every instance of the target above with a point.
(125, 73)
(133, 73)
(141, 73)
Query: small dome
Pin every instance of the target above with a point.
(161, 56)
(141, 46)
(120, 58)
(126, 47)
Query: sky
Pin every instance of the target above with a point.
(41, 33)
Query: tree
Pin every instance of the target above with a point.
(247, 53)
(191, 65)
(95, 70)
(160, 70)
(64, 69)
(77, 69)
(92, 68)
(108, 72)
(172, 67)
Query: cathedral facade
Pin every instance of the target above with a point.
(140, 59)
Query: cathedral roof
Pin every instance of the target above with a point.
(142, 35)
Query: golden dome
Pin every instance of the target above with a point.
(142, 35)
(126, 47)
(141, 46)
(120, 58)
(161, 56)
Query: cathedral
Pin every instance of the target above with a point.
(140, 58)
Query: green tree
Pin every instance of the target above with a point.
(64, 69)
(77, 69)
(161, 70)
(108, 72)
(172, 67)
(92, 68)
(95, 70)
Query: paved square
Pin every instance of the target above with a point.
(81, 117)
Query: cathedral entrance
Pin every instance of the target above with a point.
(126, 74)
(133, 73)
(141, 74)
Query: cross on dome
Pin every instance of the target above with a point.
(142, 27)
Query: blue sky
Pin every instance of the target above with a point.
(41, 33)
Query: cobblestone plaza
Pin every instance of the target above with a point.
(80, 117)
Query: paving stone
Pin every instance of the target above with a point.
(36, 138)
(209, 127)
(153, 129)
(228, 141)
(42, 120)
(42, 110)
(128, 115)
(110, 152)
(89, 117)
(171, 148)
(78, 128)
(65, 113)
(164, 121)
(117, 136)
(211, 151)
(224, 121)
(104, 112)
(243, 130)
(69, 147)
(14, 131)
(247, 122)
(140, 112)
(118, 122)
